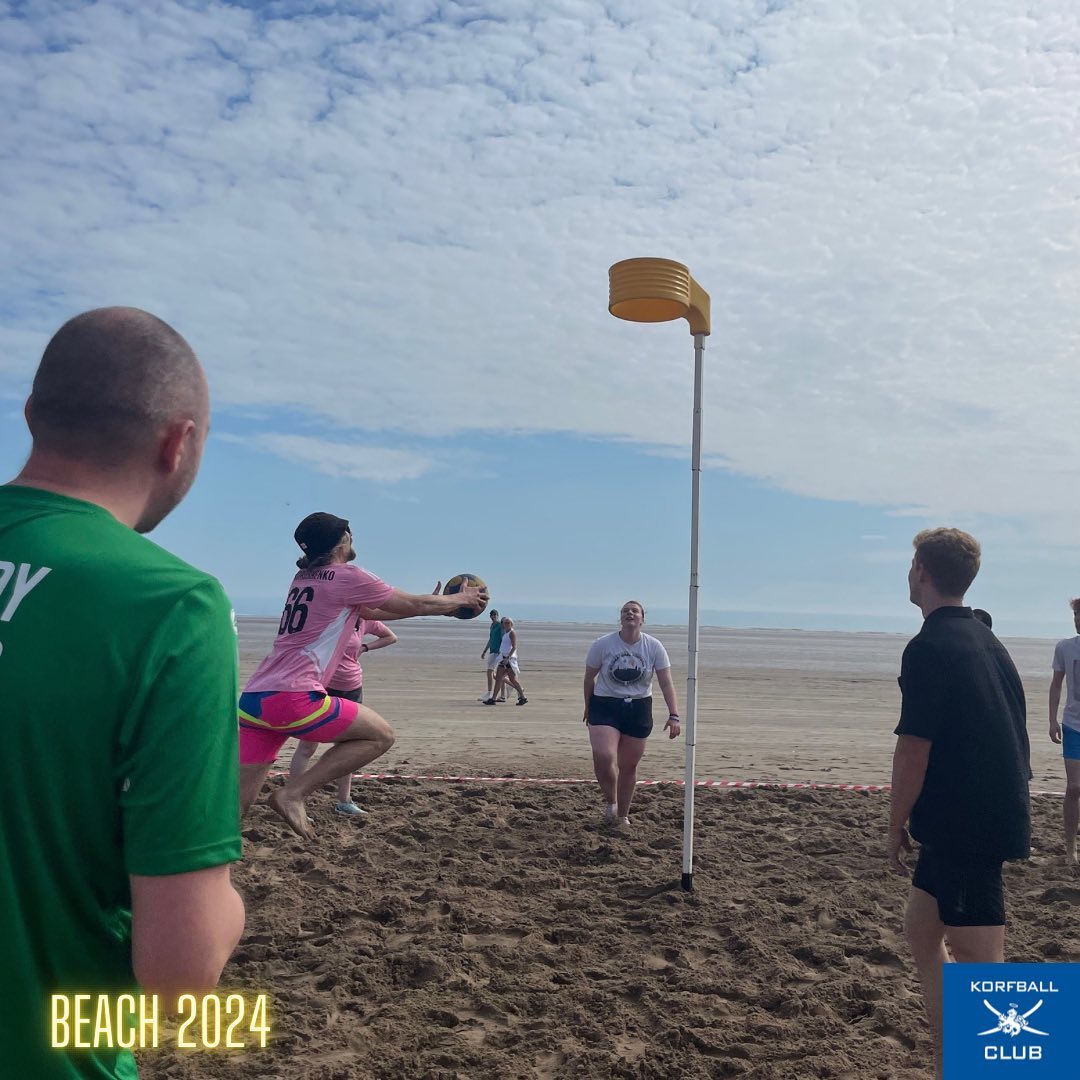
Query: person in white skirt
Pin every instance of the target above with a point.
(508, 669)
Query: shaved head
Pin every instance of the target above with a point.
(108, 381)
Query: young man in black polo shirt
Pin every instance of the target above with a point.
(960, 769)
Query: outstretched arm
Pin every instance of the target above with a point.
(403, 605)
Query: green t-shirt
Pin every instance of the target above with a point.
(118, 672)
(494, 637)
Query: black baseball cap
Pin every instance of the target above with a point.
(320, 533)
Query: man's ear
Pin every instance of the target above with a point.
(175, 443)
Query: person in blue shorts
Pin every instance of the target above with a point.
(1067, 732)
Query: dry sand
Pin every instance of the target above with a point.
(477, 930)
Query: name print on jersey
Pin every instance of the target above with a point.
(23, 579)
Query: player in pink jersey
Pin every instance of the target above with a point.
(286, 696)
(347, 682)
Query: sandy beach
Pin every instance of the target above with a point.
(773, 705)
(481, 930)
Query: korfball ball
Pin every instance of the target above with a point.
(456, 584)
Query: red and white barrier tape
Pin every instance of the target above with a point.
(780, 785)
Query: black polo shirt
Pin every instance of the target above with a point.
(961, 691)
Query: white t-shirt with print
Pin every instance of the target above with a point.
(1067, 659)
(626, 671)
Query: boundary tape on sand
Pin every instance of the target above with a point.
(777, 785)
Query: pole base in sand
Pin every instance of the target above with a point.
(688, 882)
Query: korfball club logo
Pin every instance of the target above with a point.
(1013, 1022)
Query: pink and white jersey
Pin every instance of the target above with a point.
(318, 621)
(349, 674)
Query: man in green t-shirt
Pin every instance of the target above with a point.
(124, 878)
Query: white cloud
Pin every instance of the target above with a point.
(402, 223)
(384, 465)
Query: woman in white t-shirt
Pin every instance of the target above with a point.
(618, 705)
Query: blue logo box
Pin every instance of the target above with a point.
(1011, 1020)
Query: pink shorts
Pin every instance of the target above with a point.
(269, 718)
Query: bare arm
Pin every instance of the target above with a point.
(184, 928)
(590, 684)
(403, 605)
(382, 641)
(1055, 701)
(910, 759)
(667, 688)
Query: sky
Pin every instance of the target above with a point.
(386, 227)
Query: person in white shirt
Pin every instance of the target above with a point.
(619, 671)
(1067, 732)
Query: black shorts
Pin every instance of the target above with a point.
(348, 695)
(967, 894)
(629, 716)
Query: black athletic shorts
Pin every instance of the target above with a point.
(630, 716)
(348, 695)
(967, 894)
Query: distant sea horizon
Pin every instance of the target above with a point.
(844, 622)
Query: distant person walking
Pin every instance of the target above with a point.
(1067, 733)
(119, 813)
(491, 651)
(348, 683)
(508, 668)
(960, 770)
(286, 696)
(619, 670)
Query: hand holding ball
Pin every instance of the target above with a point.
(472, 590)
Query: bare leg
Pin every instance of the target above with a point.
(251, 781)
(490, 681)
(630, 751)
(976, 944)
(1072, 806)
(344, 788)
(926, 936)
(511, 678)
(365, 739)
(301, 758)
(500, 685)
(605, 750)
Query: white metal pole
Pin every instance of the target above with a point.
(692, 643)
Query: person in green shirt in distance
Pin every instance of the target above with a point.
(124, 880)
(491, 651)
